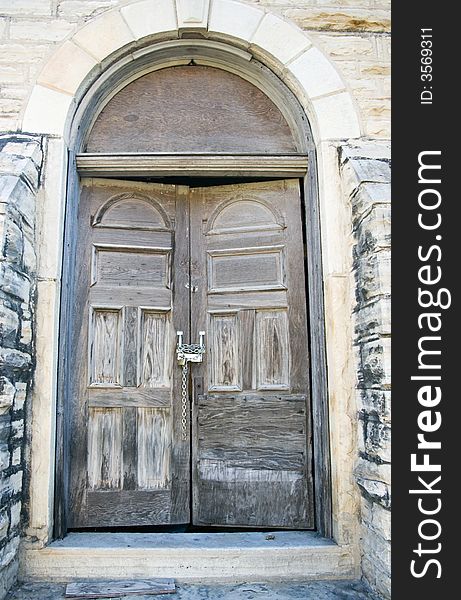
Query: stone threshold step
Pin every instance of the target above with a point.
(232, 557)
(306, 590)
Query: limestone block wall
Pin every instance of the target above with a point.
(365, 170)
(20, 165)
(354, 34)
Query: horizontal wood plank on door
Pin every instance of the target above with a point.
(130, 397)
(192, 165)
(233, 240)
(269, 458)
(245, 269)
(252, 419)
(252, 461)
(128, 507)
(128, 266)
(132, 296)
(190, 108)
(112, 236)
(248, 300)
(255, 504)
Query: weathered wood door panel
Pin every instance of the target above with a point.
(128, 464)
(191, 108)
(251, 438)
(153, 259)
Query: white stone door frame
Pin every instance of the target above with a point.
(101, 50)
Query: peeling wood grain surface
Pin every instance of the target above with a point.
(104, 448)
(155, 350)
(118, 589)
(190, 109)
(272, 350)
(153, 444)
(251, 463)
(105, 347)
(178, 164)
(128, 465)
(252, 427)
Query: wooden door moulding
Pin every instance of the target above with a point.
(191, 165)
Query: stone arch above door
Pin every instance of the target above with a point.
(279, 44)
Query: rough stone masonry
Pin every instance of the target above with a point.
(20, 164)
(365, 169)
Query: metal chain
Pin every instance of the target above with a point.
(186, 353)
(184, 399)
(192, 348)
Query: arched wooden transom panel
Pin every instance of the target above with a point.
(191, 109)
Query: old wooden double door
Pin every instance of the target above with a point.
(152, 259)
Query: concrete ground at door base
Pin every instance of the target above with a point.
(313, 590)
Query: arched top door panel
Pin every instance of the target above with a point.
(191, 109)
(131, 211)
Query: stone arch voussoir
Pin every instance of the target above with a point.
(279, 44)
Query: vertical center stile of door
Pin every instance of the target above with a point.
(189, 411)
(188, 208)
(190, 386)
